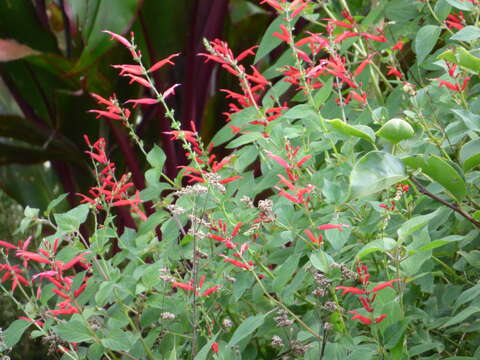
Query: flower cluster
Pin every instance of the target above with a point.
(110, 192)
(366, 296)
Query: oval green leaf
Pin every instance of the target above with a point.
(425, 41)
(470, 154)
(374, 172)
(396, 130)
(440, 171)
(361, 131)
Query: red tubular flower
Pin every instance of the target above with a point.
(379, 38)
(230, 179)
(312, 237)
(395, 72)
(215, 344)
(236, 263)
(119, 38)
(380, 318)
(7, 245)
(339, 227)
(284, 36)
(107, 114)
(385, 285)
(365, 320)
(398, 45)
(245, 53)
(138, 79)
(144, 101)
(211, 290)
(32, 256)
(163, 62)
(60, 293)
(183, 286)
(170, 91)
(349, 289)
(344, 36)
(278, 159)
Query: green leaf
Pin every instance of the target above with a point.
(238, 119)
(156, 157)
(414, 224)
(467, 60)
(244, 139)
(54, 203)
(71, 220)
(469, 155)
(73, 331)
(14, 332)
(396, 130)
(467, 295)
(461, 4)
(299, 112)
(425, 41)
(471, 120)
(440, 171)
(247, 327)
(285, 271)
(472, 257)
(461, 316)
(384, 244)
(468, 33)
(360, 131)
(439, 243)
(374, 172)
(118, 340)
(97, 16)
(322, 94)
(321, 261)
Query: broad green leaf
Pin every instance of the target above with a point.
(111, 15)
(471, 120)
(156, 157)
(238, 119)
(360, 131)
(71, 220)
(244, 139)
(472, 257)
(247, 327)
(118, 340)
(461, 316)
(468, 33)
(14, 332)
(414, 224)
(467, 60)
(54, 203)
(468, 295)
(461, 5)
(322, 94)
(285, 272)
(73, 331)
(382, 245)
(394, 333)
(299, 112)
(438, 243)
(375, 172)
(321, 261)
(425, 41)
(401, 10)
(396, 130)
(440, 171)
(469, 155)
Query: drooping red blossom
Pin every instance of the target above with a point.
(339, 227)
(365, 320)
(350, 289)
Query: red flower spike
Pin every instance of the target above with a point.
(278, 159)
(32, 256)
(349, 289)
(183, 286)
